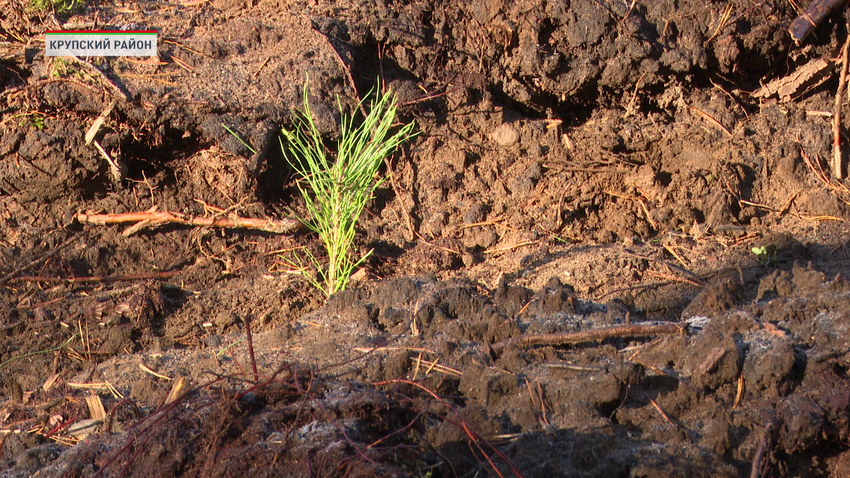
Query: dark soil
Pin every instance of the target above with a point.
(582, 167)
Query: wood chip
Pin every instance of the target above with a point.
(95, 127)
(95, 405)
(710, 362)
(181, 386)
(809, 75)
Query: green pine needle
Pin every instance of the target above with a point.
(336, 192)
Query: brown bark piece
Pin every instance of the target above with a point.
(809, 75)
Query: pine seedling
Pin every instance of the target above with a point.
(336, 190)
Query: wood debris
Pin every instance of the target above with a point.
(801, 80)
(154, 218)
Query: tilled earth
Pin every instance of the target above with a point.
(609, 252)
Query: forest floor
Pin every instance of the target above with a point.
(609, 252)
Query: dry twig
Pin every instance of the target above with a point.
(821, 175)
(407, 221)
(230, 221)
(661, 412)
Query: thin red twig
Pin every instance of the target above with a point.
(60, 427)
(764, 440)
(475, 437)
(251, 348)
(34, 262)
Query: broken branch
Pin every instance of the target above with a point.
(592, 335)
(807, 21)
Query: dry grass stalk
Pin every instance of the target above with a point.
(821, 175)
(724, 20)
(630, 108)
(437, 246)
(649, 366)
(652, 223)
(182, 64)
(177, 44)
(411, 235)
(575, 367)
(525, 307)
(435, 365)
(662, 275)
(416, 368)
(673, 253)
(153, 78)
(103, 79)
(711, 120)
(639, 200)
(511, 247)
(487, 223)
(837, 163)
(148, 370)
(366, 350)
(432, 366)
(94, 279)
(116, 168)
(102, 386)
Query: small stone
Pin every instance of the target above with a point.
(505, 135)
(468, 259)
(226, 319)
